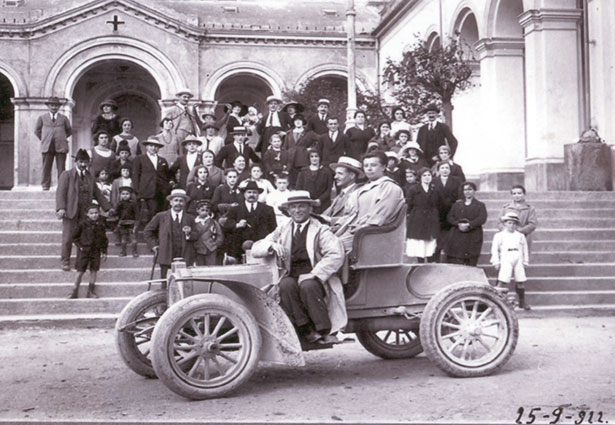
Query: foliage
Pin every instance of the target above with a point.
(308, 95)
(426, 74)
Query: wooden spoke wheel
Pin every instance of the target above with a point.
(391, 344)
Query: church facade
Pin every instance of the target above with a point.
(542, 71)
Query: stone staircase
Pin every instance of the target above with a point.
(573, 259)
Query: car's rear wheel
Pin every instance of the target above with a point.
(205, 346)
(468, 330)
(134, 329)
(391, 344)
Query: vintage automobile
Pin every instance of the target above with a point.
(205, 330)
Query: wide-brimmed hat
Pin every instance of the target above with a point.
(125, 188)
(431, 107)
(209, 113)
(184, 91)
(82, 155)
(191, 139)
(392, 155)
(209, 125)
(273, 98)
(510, 216)
(244, 108)
(298, 106)
(239, 130)
(348, 163)
(250, 185)
(108, 102)
(300, 117)
(98, 133)
(153, 142)
(410, 145)
(53, 100)
(178, 193)
(323, 101)
(298, 197)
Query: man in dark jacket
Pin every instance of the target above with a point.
(250, 220)
(274, 122)
(53, 129)
(150, 177)
(76, 190)
(433, 135)
(318, 122)
(169, 234)
(333, 143)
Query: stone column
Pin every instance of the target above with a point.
(28, 159)
(553, 89)
(503, 112)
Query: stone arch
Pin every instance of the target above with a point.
(466, 27)
(432, 39)
(503, 19)
(272, 78)
(19, 86)
(67, 70)
(329, 70)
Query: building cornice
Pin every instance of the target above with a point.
(393, 16)
(192, 31)
(499, 46)
(550, 19)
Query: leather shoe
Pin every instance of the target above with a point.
(328, 339)
(313, 336)
(66, 267)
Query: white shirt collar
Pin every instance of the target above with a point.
(177, 214)
(249, 205)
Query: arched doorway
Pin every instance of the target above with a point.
(131, 86)
(7, 134)
(333, 87)
(249, 89)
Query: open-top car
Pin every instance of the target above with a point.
(205, 330)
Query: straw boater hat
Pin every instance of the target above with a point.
(108, 102)
(250, 185)
(411, 145)
(273, 98)
(348, 163)
(297, 197)
(178, 193)
(431, 107)
(239, 130)
(184, 91)
(510, 216)
(323, 100)
(53, 100)
(191, 139)
(153, 142)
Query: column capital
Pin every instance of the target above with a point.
(39, 103)
(499, 46)
(550, 19)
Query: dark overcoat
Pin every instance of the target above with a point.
(466, 244)
(431, 140)
(423, 220)
(158, 233)
(261, 222)
(146, 178)
(67, 193)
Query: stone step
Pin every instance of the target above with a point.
(61, 290)
(564, 245)
(43, 236)
(49, 261)
(572, 234)
(567, 283)
(84, 320)
(545, 298)
(63, 306)
(562, 223)
(562, 270)
(56, 275)
(562, 257)
(550, 195)
(54, 248)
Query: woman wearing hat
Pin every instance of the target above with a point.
(238, 110)
(108, 120)
(102, 156)
(169, 145)
(317, 180)
(293, 108)
(467, 217)
(411, 157)
(297, 142)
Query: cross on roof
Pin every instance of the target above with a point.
(116, 22)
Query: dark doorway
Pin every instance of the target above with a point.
(7, 134)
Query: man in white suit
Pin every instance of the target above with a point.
(53, 129)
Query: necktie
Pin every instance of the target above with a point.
(270, 119)
(177, 218)
(53, 118)
(81, 175)
(252, 208)
(331, 135)
(240, 149)
(322, 117)
(297, 230)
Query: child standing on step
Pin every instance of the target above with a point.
(208, 233)
(92, 243)
(126, 211)
(509, 255)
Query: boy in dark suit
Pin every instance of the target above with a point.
(127, 214)
(208, 235)
(91, 240)
(185, 163)
(333, 143)
(150, 178)
(229, 152)
(250, 220)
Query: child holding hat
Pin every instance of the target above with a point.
(509, 255)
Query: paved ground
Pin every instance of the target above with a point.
(76, 374)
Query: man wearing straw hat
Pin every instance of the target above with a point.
(274, 122)
(347, 172)
(318, 122)
(150, 177)
(170, 232)
(53, 129)
(311, 293)
(184, 118)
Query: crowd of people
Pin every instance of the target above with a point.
(203, 186)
